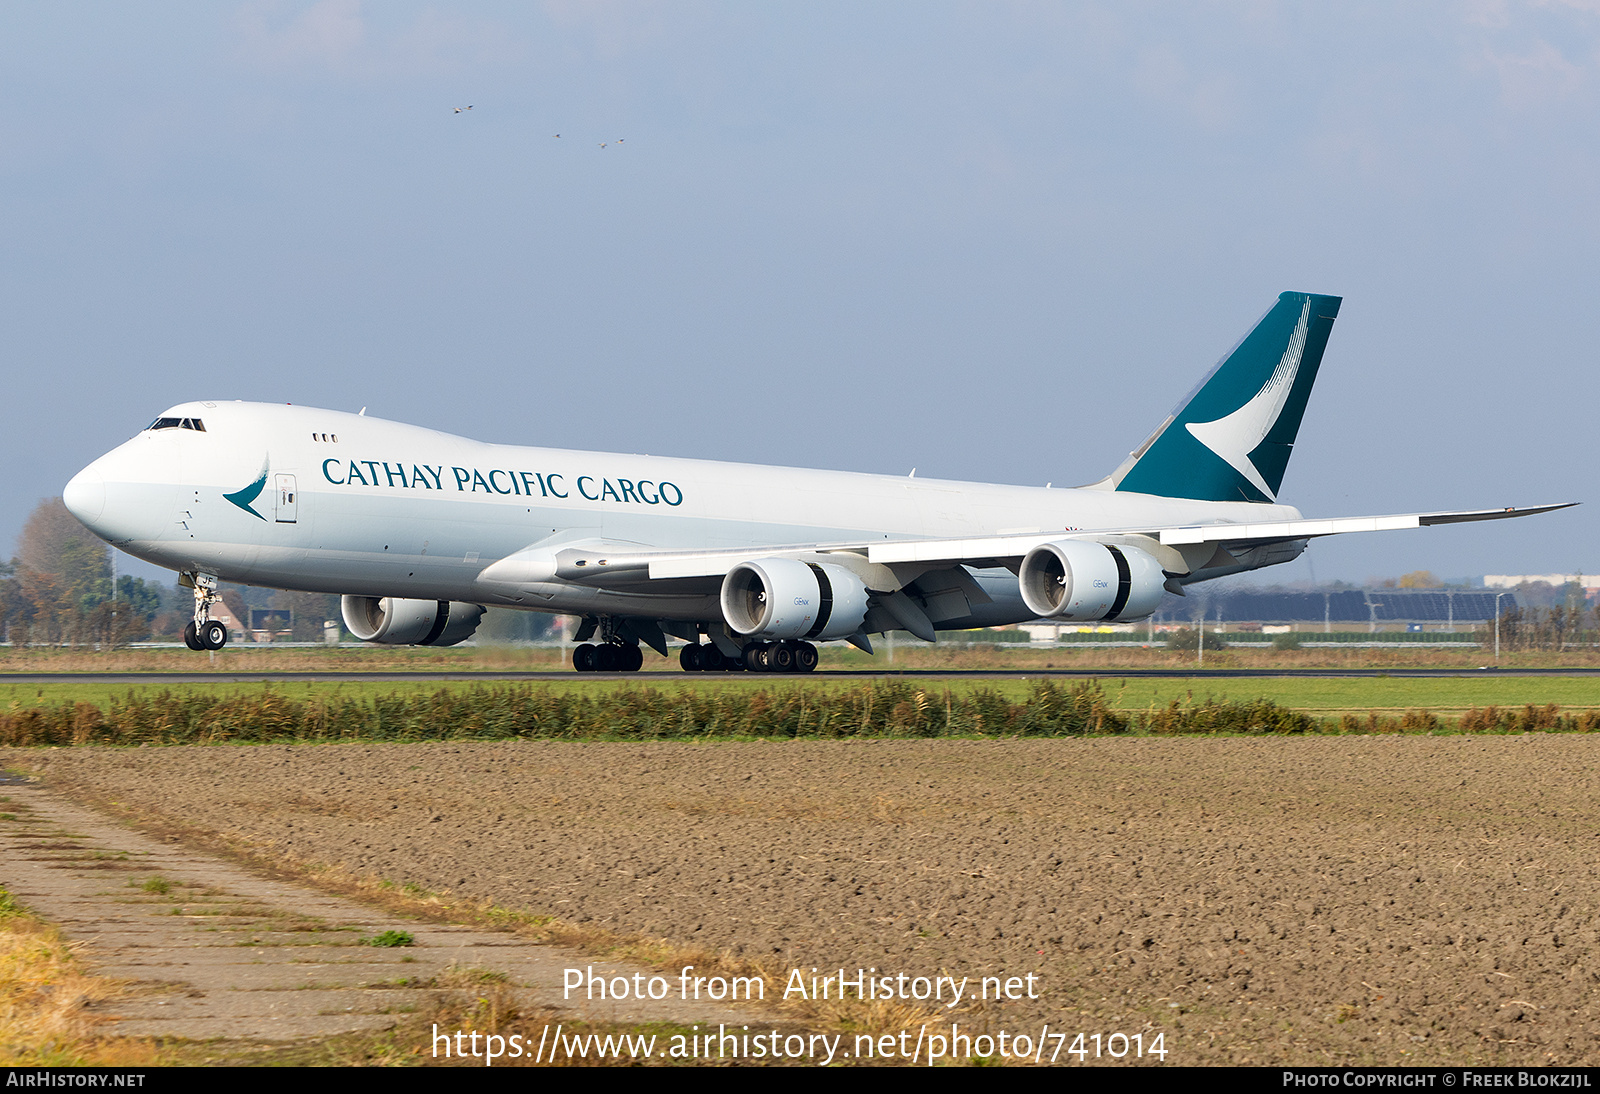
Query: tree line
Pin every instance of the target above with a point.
(1563, 626)
(58, 591)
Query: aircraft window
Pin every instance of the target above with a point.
(178, 423)
(195, 424)
(163, 423)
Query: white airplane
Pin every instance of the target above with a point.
(420, 531)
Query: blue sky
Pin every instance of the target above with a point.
(989, 241)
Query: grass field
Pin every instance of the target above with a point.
(1316, 696)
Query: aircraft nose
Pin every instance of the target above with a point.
(85, 496)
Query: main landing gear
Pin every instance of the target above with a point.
(202, 632)
(608, 657)
(617, 651)
(785, 656)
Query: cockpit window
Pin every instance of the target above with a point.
(178, 423)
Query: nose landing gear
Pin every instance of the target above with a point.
(203, 632)
(212, 635)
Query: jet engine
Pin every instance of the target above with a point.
(775, 598)
(1080, 579)
(409, 622)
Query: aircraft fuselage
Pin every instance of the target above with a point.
(300, 498)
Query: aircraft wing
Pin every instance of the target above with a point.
(612, 565)
(999, 550)
(935, 570)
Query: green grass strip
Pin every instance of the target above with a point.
(881, 708)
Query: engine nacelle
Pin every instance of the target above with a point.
(773, 598)
(1079, 579)
(409, 622)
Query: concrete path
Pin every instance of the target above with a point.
(211, 950)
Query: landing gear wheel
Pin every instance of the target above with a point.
(690, 660)
(781, 657)
(605, 658)
(583, 658)
(630, 658)
(213, 635)
(805, 657)
(758, 658)
(191, 637)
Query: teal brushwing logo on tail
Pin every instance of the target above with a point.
(1239, 425)
(242, 498)
(1236, 435)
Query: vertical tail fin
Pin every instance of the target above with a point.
(1230, 440)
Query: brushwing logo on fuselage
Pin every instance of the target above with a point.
(1234, 436)
(243, 497)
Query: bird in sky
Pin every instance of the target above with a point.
(462, 109)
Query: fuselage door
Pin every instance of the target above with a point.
(287, 499)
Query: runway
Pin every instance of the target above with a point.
(916, 674)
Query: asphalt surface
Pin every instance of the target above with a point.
(551, 677)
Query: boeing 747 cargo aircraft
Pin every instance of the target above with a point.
(420, 531)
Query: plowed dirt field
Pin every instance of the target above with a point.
(1397, 900)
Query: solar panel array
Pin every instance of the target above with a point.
(1357, 606)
